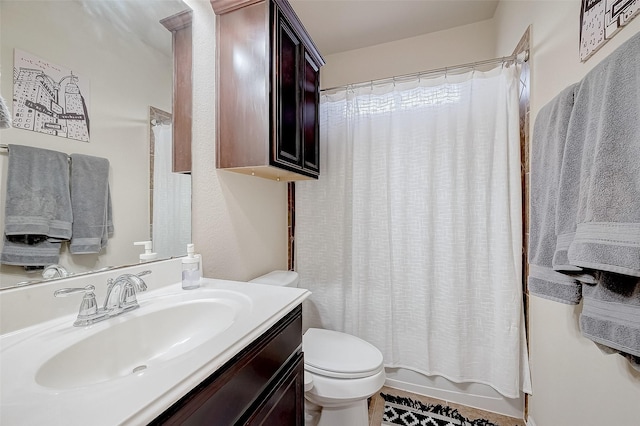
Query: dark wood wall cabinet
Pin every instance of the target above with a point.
(268, 73)
(180, 27)
(262, 385)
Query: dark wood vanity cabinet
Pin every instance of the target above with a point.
(261, 385)
(268, 91)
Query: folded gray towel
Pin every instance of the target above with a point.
(91, 200)
(38, 212)
(547, 150)
(611, 312)
(35, 255)
(568, 191)
(38, 201)
(607, 123)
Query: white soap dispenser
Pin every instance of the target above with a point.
(190, 269)
(148, 255)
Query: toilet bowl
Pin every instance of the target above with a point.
(341, 370)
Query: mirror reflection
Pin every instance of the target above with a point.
(124, 56)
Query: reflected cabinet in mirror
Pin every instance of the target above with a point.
(123, 56)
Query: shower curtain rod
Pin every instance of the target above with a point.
(508, 60)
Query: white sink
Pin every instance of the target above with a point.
(138, 342)
(128, 369)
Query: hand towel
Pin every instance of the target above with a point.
(91, 203)
(606, 122)
(547, 150)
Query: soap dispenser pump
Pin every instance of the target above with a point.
(190, 269)
(148, 255)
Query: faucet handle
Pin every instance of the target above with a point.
(64, 292)
(88, 312)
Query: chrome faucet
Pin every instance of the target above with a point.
(55, 271)
(121, 297)
(121, 293)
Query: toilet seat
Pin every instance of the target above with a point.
(339, 355)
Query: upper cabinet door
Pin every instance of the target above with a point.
(268, 91)
(310, 112)
(287, 100)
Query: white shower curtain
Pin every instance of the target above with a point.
(411, 238)
(171, 200)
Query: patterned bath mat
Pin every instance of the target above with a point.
(409, 412)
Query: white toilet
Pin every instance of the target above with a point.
(341, 371)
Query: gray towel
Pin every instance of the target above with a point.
(91, 200)
(36, 255)
(607, 123)
(38, 201)
(611, 312)
(568, 191)
(548, 144)
(38, 212)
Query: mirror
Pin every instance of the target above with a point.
(123, 55)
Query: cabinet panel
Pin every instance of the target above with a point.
(284, 404)
(310, 111)
(288, 99)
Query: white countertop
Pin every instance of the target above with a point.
(138, 398)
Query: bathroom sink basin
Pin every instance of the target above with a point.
(128, 369)
(137, 343)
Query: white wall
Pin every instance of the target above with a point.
(239, 222)
(573, 382)
(126, 77)
(461, 45)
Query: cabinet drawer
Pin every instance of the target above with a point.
(227, 395)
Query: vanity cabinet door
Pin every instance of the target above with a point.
(284, 405)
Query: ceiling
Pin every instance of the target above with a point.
(340, 25)
(140, 18)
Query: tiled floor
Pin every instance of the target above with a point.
(376, 409)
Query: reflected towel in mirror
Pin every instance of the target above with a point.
(91, 202)
(38, 206)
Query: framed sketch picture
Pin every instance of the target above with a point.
(600, 20)
(49, 98)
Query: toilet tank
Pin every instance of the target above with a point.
(279, 278)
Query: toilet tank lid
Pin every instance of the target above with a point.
(280, 278)
(332, 351)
